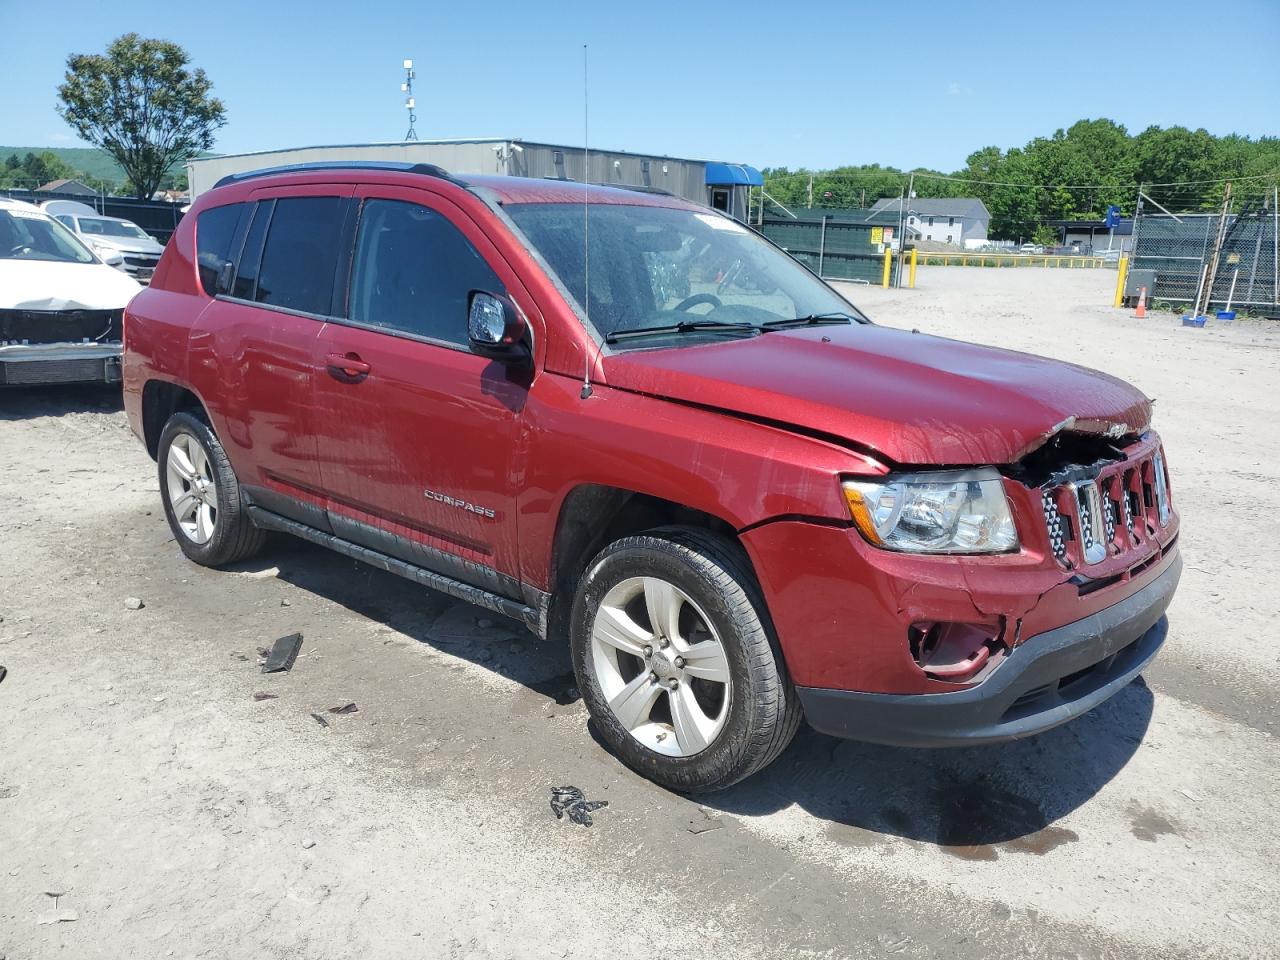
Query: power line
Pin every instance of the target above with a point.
(1034, 186)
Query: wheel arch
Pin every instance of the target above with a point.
(594, 515)
(160, 401)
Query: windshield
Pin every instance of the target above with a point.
(656, 266)
(100, 226)
(32, 236)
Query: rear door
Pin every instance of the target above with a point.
(261, 334)
(417, 435)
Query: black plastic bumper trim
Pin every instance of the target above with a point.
(1049, 679)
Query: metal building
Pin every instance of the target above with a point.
(724, 186)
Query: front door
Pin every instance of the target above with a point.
(417, 436)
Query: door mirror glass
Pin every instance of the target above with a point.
(496, 328)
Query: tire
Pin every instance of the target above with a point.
(740, 726)
(219, 531)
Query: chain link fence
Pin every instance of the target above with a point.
(1177, 256)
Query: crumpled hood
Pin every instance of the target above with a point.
(46, 285)
(912, 398)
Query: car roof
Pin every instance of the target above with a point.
(515, 190)
(502, 189)
(7, 204)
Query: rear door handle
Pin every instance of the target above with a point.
(347, 366)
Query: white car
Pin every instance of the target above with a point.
(61, 306)
(121, 243)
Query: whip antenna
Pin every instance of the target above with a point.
(586, 224)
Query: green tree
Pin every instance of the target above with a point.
(1044, 236)
(141, 104)
(46, 166)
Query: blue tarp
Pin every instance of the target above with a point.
(732, 175)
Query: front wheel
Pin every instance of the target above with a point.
(202, 496)
(672, 651)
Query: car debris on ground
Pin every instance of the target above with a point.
(573, 802)
(344, 709)
(282, 654)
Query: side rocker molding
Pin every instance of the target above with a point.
(532, 616)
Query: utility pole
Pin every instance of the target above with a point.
(810, 204)
(902, 226)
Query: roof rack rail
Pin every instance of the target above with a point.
(424, 169)
(636, 188)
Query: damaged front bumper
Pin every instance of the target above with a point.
(30, 364)
(1047, 680)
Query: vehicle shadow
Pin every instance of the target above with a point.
(461, 629)
(964, 799)
(25, 403)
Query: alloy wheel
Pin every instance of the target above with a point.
(661, 666)
(192, 493)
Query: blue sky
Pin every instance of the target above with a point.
(814, 84)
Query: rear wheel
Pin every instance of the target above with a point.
(202, 496)
(672, 650)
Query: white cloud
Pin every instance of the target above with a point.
(958, 90)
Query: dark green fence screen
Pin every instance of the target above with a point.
(836, 244)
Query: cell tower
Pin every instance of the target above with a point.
(407, 89)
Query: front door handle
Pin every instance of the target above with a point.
(347, 367)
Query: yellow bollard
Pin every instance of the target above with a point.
(888, 260)
(1121, 272)
(911, 275)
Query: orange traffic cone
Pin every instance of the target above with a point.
(1142, 303)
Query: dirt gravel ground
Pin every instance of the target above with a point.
(173, 814)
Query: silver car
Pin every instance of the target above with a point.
(111, 238)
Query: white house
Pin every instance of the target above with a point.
(956, 220)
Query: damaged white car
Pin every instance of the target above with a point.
(61, 306)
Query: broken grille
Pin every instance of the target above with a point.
(1120, 509)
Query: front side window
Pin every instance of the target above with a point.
(215, 229)
(414, 272)
(300, 254)
(26, 235)
(653, 265)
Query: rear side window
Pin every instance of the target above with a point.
(215, 229)
(414, 271)
(301, 253)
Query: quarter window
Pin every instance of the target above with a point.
(300, 254)
(251, 255)
(215, 229)
(414, 271)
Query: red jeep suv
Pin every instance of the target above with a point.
(635, 425)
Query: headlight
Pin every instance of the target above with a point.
(957, 511)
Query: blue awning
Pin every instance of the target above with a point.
(733, 175)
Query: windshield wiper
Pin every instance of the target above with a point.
(684, 326)
(813, 320)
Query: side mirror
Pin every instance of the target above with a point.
(496, 329)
